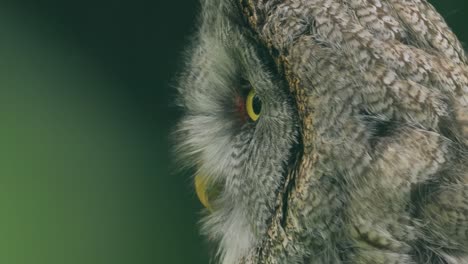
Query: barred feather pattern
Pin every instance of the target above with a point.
(373, 162)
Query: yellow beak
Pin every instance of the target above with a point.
(201, 189)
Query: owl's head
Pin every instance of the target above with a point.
(238, 129)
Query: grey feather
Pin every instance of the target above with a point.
(360, 153)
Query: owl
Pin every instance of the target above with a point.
(327, 131)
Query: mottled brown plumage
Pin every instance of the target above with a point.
(398, 195)
(368, 164)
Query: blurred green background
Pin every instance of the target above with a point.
(86, 107)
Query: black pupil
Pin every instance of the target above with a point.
(256, 105)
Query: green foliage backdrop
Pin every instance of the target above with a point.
(86, 107)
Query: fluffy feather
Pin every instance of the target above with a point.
(377, 98)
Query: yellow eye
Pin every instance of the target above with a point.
(253, 105)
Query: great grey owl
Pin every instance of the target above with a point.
(328, 131)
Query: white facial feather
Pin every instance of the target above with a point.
(248, 159)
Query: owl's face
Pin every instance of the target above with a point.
(371, 169)
(237, 131)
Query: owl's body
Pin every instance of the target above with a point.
(359, 154)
